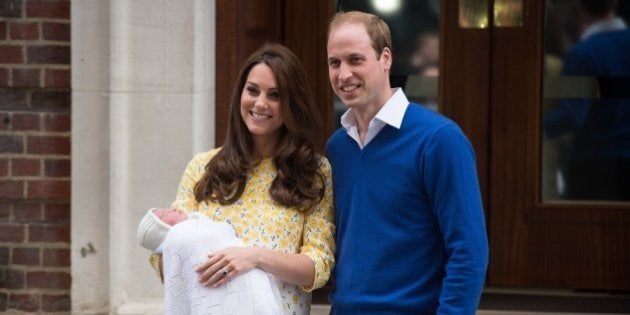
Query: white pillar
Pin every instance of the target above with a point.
(142, 105)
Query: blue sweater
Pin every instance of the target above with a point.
(601, 126)
(411, 236)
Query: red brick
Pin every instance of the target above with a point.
(48, 189)
(11, 54)
(3, 30)
(49, 233)
(50, 100)
(11, 144)
(4, 256)
(4, 77)
(57, 78)
(56, 303)
(5, 120)
(25, 167)
(48, 54)
(24, 302)
(27, 212)
(57, 168)
(26, 77)
(13, 99)
(25, 256)
(22, 121)
(13, 233)
(57, 212)
(56, 9)
(4, 167)
(56, 257)
(11, 8)
(5, 213)
(56, 31)
(11, 189)
(4, 301)
(48, 145)
(48, 280)
(24, 31)
(56, 122)
(14, 279)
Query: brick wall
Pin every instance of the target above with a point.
(35, 156)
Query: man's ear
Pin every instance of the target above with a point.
(386, 59)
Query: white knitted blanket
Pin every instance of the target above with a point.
(188, 244)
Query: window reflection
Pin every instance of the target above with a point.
(415, 40)
(586, 108)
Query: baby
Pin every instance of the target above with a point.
(185, 241)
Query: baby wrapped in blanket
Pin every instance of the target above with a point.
(185, 240)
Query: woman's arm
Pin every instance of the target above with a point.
(288, 267)
(310, 268)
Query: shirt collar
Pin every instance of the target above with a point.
(607, 25)
(391, 113)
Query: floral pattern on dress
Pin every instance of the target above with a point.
(260, 221)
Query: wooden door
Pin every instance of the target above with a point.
(244, 25)
(492, 84)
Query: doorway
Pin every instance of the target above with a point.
(492, 83)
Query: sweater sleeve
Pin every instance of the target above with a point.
(457, 206)
(318, 238)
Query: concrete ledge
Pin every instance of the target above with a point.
(142, 307)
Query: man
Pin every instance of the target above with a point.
(410, 227)
(596, 165)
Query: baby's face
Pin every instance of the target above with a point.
(171, 216)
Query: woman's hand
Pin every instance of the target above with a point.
(223, 265)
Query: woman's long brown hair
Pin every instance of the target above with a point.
(299, 181)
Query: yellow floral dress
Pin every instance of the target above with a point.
(260, 221)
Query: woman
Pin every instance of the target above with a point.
(269, 182)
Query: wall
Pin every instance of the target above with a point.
(35, 156)
(142, 89)
(143, 85)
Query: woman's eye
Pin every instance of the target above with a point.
(252, 90)
(274, 95)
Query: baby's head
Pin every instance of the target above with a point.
(155, 224)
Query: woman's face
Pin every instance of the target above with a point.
(260, 105)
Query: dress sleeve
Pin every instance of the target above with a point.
(319, 234)
(155, 260)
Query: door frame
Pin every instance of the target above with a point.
(490, 84)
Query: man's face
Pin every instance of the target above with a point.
(356, 75)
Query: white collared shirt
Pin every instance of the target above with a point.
(607, 25)
(391, 113)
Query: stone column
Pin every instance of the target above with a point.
(142, 105)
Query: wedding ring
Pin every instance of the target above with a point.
(224, 273)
